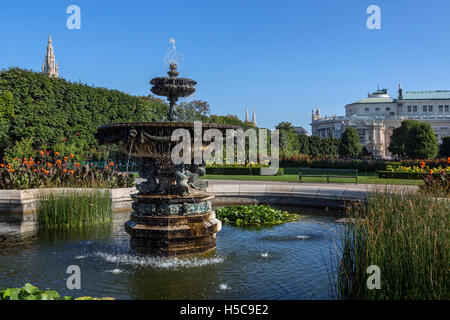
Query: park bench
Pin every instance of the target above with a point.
(328, 173)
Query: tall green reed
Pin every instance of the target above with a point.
(407, 236)
(73, 208)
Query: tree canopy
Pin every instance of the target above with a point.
(414, 140)
(350, 146)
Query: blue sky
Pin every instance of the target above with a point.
(281, 57)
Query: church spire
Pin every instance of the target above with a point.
(254, 117)
(50, 67)
(247, 118)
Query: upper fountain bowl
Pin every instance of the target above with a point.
(171, 86)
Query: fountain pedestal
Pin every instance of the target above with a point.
(173, 225)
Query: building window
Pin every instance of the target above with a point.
(414, 108)
(446, 108)
(409, 108)
(441, 108)
(425, 108)
(430, 108)
(367, 109)
(388, 109)
(377, 109)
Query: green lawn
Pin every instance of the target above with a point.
(291, 175)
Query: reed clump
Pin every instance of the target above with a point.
(407, 237)
(73, 208)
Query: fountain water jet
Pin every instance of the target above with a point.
(172, 213)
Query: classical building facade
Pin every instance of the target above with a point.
(376, 116)
(50, 67)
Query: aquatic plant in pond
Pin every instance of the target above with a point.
(30, 292)
(254, 215)
(70, 208)
(407, 237)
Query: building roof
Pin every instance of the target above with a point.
(375, 100)
(379, 96)
(426, 95)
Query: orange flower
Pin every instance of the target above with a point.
(2, 165)
(11, 170)
(431, 171)
(65, 158)
(41, 153)
(46, 172)
(422, 164)
(72, 156)
(107, 168)
(58, 162)
(49, 164)
(77, 164)
(448, 160)
(111, 164)
(64, 170)
(57, 154)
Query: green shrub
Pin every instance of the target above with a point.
(254, 215)
(73, 208)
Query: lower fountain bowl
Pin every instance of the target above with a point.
(173, 225)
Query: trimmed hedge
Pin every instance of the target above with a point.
(404, 175)
(238, 171)
(362, 166)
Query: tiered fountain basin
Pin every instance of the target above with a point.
(172, 213)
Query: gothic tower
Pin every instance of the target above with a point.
(247, 119)
(254, 118)
(50, 67)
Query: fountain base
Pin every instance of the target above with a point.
(171, 225)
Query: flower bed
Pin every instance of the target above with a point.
(420, 171)
(361, 165)
(55, 171)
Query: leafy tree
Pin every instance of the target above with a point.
(350, 146)
(303, 140)
(289, 142)
(315, 146)
(399, 138)
(329, 147)
(422, 143)
(444, 148)
(193, 111)
(414, 140)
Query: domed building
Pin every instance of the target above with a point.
(376, 116)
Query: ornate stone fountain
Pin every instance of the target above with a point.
(172, 213)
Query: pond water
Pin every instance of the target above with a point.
(289, 261)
